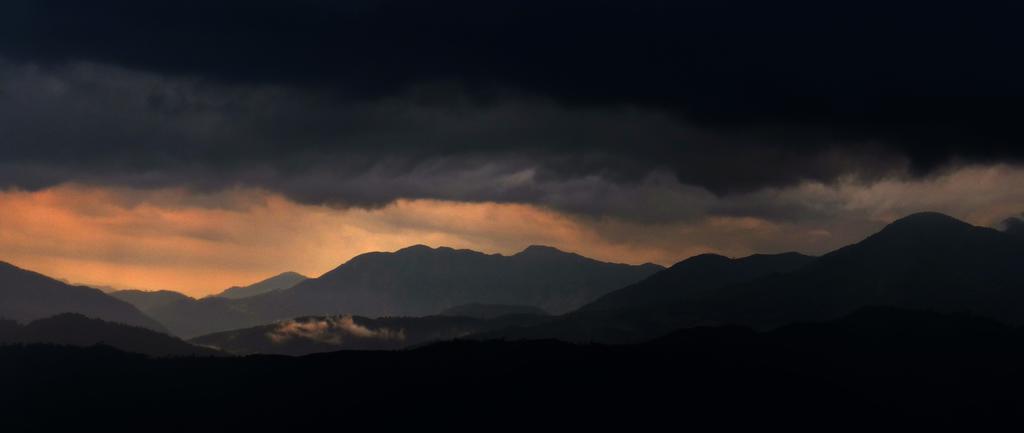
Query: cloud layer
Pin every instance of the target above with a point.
(193, 145)
(95, 124)
(363, 103)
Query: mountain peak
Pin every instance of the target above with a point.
(925, 223)
(708, 257)
(417, 247)
(540, 249)
(420, 250)
(929, 218)
(699, 260)
(284, 280)
(287, 274)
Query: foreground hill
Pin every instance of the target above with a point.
(308, 335)
(281, 281)
(416, 281)
(71, 329)
(879, 368)
(26, 296)
(925, 260)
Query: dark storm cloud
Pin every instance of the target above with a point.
(560, 103)
(105, 125)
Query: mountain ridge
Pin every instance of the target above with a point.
(415, 281)
(698, 274)
(922, 261)
(27, 295)
(284, 280)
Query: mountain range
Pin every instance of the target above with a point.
(923, 261)
(149, 300)
(414, 281)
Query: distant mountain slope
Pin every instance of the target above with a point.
(924, 261)
(330, 333)
(192, 317)
(70, 329)
(281, 281)
(419, 281)
(26, 295)
(695, 278)
(416, 281)
(148, 300)
(491, 311)
(158, 303)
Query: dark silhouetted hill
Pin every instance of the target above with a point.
(416, 281)
(71, 329)
(924, 261)
(26, 296)
(695, 278)
(491, 311)
(281, 281)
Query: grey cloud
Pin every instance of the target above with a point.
(99, 124)
(931, 82)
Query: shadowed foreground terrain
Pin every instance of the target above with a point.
(879, 367)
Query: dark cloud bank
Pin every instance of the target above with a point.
(578, 105)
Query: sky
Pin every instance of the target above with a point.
(194, 146)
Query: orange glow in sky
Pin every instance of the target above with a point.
(202, 243)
